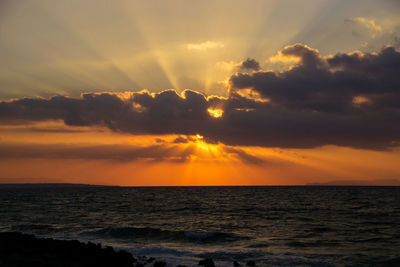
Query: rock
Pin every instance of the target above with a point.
(251, 263)
(17, 249)
(151, 259)
(181, 265)
(207, 263)
(235, 263)
(160, 264)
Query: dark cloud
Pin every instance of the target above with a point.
(181, 140)
(121, 153)
(309, 57)
(92, 152)
(160, 141)
(184, 140)
(330, 84)
(244, 156)
(346, 99)
(250, 64)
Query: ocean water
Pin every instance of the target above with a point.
(320, 226)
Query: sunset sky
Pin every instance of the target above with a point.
(146, 93)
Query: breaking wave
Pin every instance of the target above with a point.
(137, 233)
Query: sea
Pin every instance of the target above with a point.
(271, 225)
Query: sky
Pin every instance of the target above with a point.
(170, 93)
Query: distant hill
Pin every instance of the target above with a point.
(48, 185)
(383, 182)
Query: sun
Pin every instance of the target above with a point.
(216, 113)
(199, 137)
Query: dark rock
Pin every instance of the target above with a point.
(160, 264)
(17, 249)
(235, 263)
(181, 265)
(151, 259)
(251, 263)
(207, 263)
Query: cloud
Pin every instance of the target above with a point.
(363, 26)
(250, 64)
(244, 156)
(329, 84)
(204, 45)
(91, 152)
(181, 140)
(178, 150)
(347, 99)
(372, 34)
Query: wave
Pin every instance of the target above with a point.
(312, 244)
(32, 228)
(148, 233)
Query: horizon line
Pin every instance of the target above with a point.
(103, 185)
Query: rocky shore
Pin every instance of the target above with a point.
(21, 250)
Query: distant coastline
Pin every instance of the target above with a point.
(384, 182)
(390, 183)
(52, 185)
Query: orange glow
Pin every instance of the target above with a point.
(358, 100)
(216, 113)
(123, 159)
(251, 94)
(281, 58)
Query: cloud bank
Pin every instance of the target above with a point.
(163, 151)
(350, 99)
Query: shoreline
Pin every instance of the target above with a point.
(19, 249)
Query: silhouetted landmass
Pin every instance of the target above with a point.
(50, 185)
(21, 250)
(383, 182)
